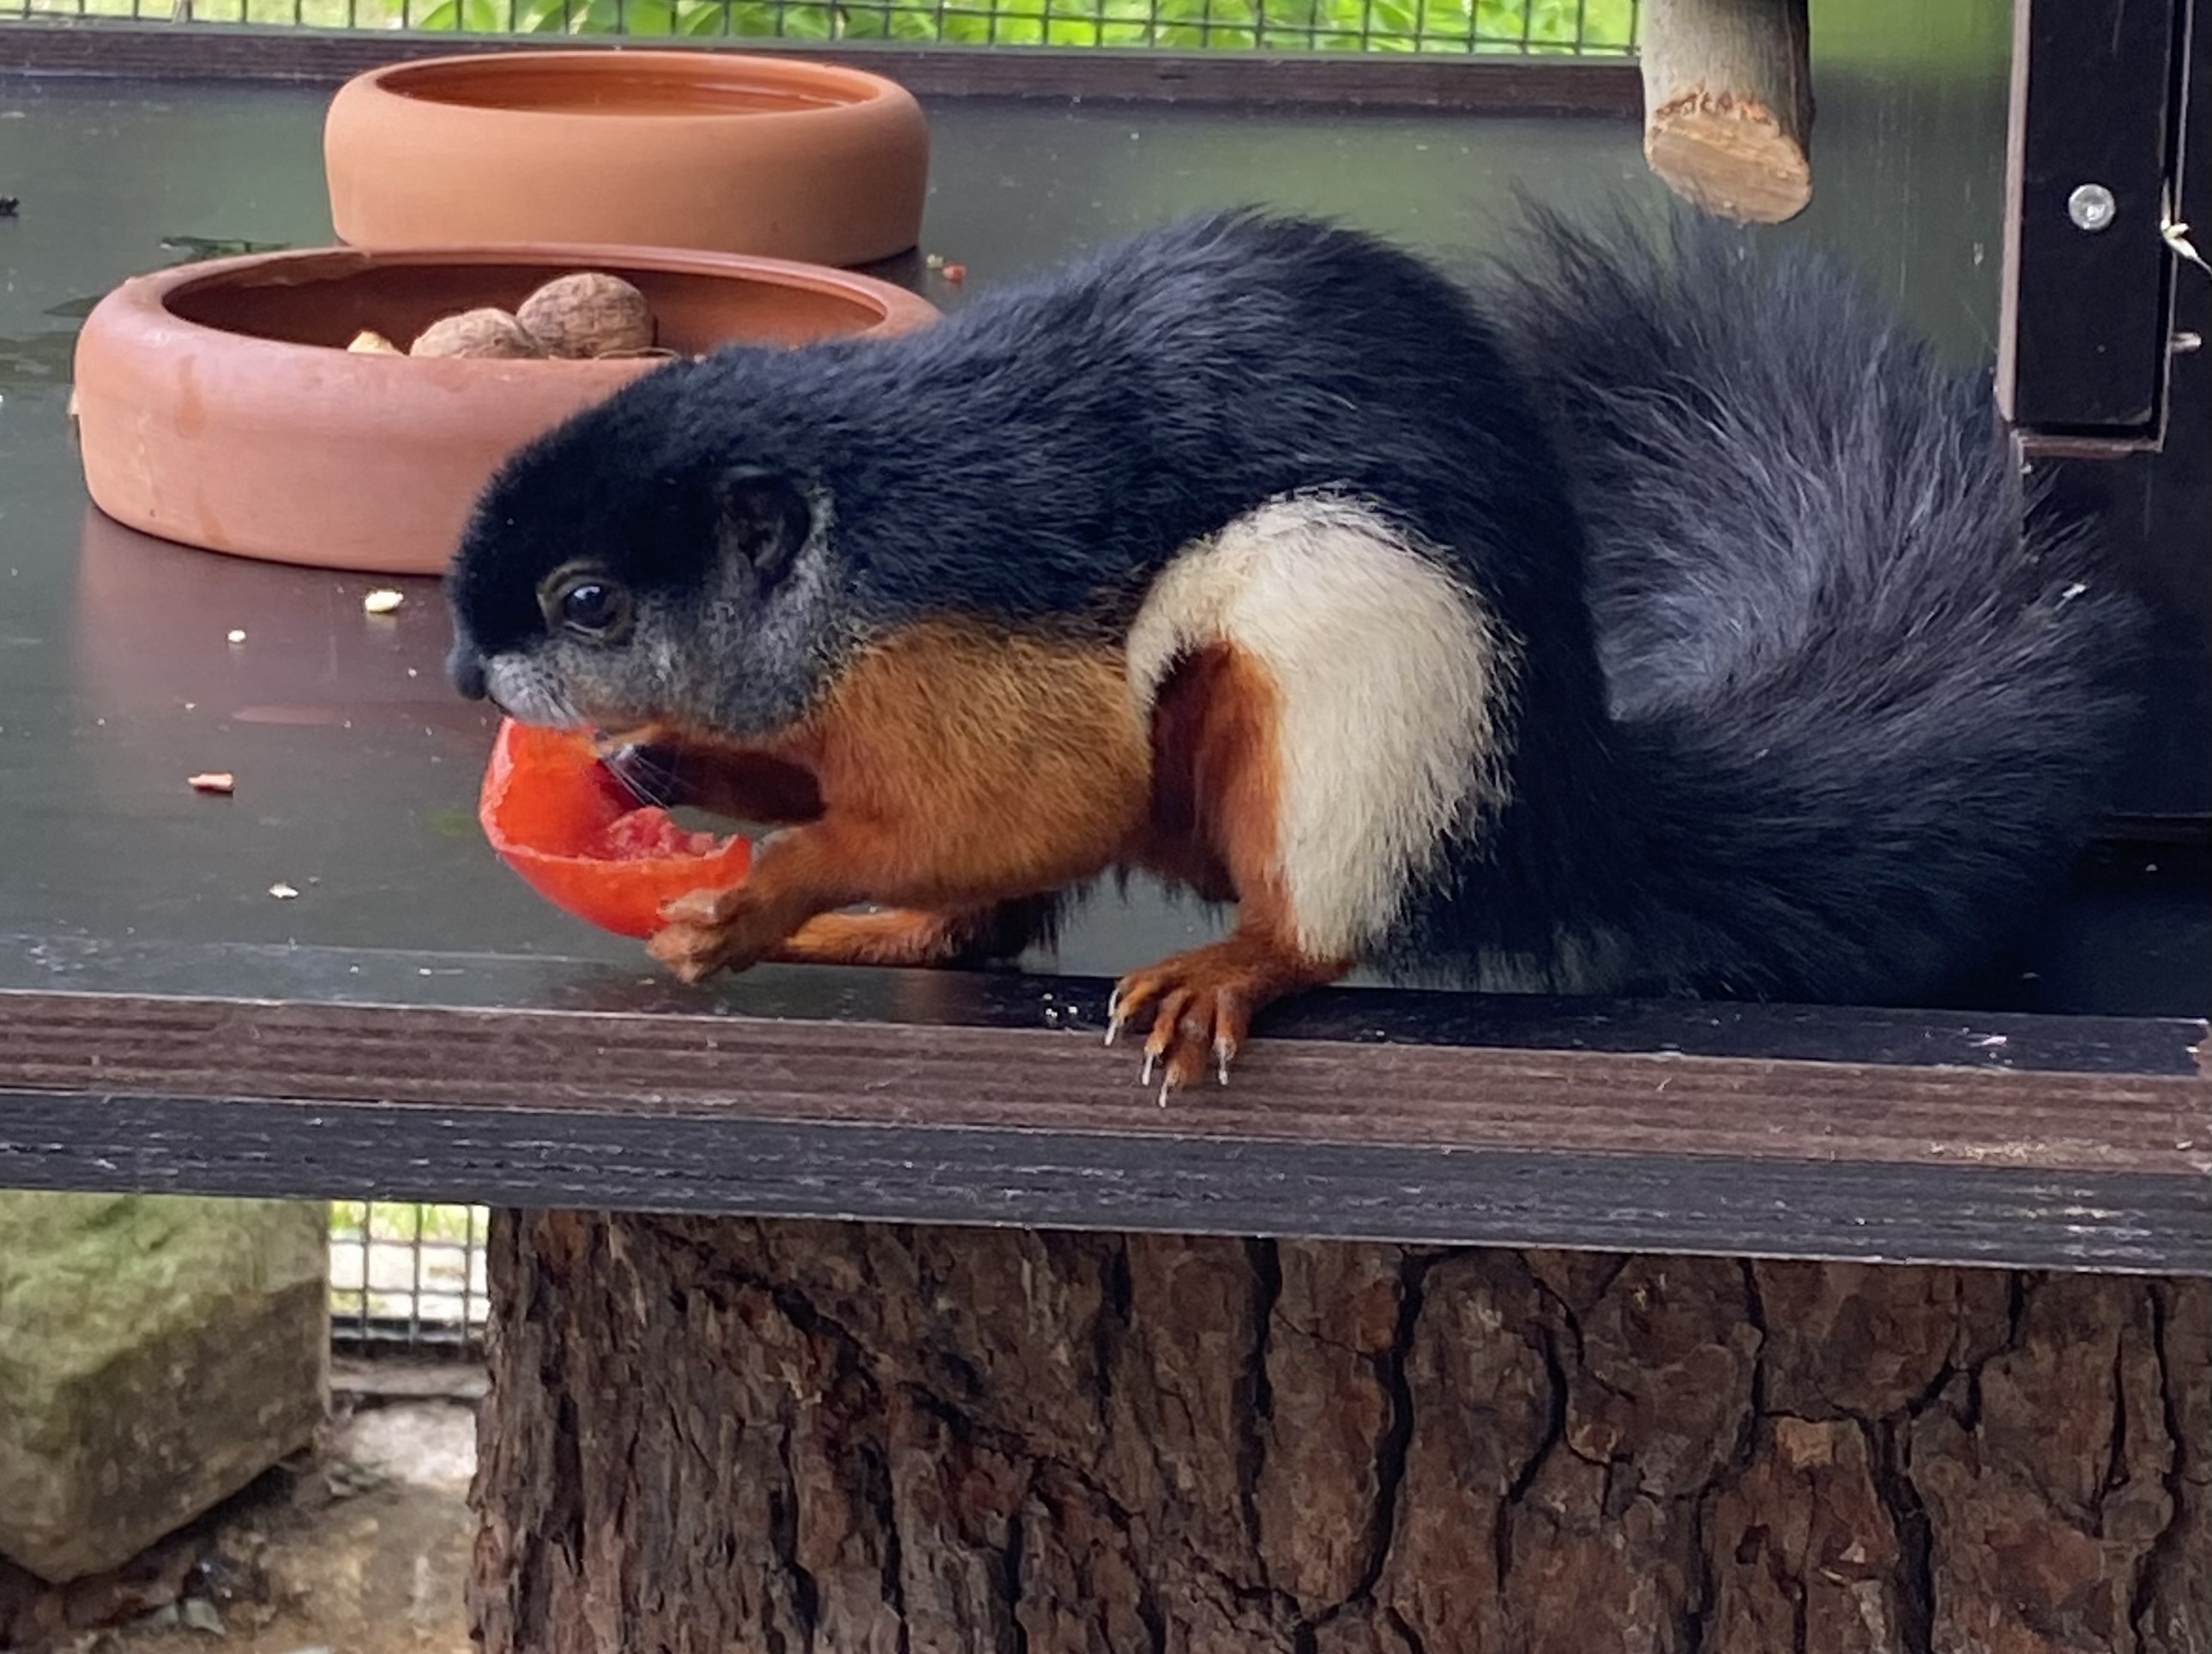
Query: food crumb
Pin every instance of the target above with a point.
(215, 780)
(236, 635)
(935, 261)
(283, 891)
(956, 274)
(383, 600)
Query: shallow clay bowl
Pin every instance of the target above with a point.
(217, 404)
(709, 149)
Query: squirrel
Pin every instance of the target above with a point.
(1644, 613)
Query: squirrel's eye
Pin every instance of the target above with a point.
(591, 608)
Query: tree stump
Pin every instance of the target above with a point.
(785, 1436)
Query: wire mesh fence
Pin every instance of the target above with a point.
(1525, 28)
(404, 1276)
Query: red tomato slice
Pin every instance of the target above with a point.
(566, 822)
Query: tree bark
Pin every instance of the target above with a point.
(1728, 104)
(787, 1435)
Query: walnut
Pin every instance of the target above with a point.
(485, 332)
(589, 314)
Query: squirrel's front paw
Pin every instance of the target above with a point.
(709, 931)
(1201, 1004)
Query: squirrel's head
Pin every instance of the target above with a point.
(628, 570)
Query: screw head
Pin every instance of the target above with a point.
(2091, 207)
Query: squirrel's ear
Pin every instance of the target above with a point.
(761, 517)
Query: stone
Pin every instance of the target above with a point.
(156, 1354)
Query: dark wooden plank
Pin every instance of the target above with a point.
(1902, 1213)
(1494, 85)
(2139, 1045)
(1038, 1125)
(2086, 311)
(1308, 1091)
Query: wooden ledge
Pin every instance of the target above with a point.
(2029, 1141)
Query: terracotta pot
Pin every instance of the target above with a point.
(709, 149)
(217, 404)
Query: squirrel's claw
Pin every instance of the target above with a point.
(1200, 1011)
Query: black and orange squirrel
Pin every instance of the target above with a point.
(1646, 614)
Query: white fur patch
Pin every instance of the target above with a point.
(1394, 680)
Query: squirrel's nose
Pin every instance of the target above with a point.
(466, 668)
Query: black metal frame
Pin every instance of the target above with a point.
(2094, 163)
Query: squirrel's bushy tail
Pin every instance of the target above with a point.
(1869, 694)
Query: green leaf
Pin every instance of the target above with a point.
(749, 20)
(466, 17)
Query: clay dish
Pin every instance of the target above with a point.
(217, 404)
(717, 150)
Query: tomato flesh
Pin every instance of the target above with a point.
(647, 833)
(578, 836)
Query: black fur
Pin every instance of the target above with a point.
(1835, 720)
(1868, 692)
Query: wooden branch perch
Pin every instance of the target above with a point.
(1728, 105)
